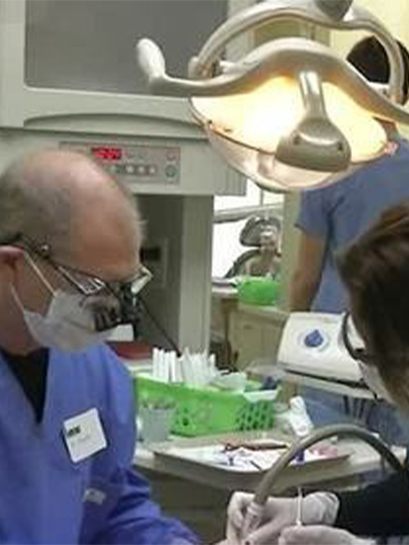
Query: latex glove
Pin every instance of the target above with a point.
(319, 535)
(318, 508)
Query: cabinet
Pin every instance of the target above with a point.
(255, 333)
(252, 332)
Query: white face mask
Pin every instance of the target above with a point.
(374, 382)
(68, 324)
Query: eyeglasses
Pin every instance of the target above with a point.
(109, 312)
(92, 285)
(358, 353)
(85, 283)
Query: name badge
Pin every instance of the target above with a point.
(83, 435)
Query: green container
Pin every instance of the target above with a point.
(204, 411)
(258, 290)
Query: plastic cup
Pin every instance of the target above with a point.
(156, 423)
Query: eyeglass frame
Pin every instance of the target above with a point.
(358, 354)
(43, 250)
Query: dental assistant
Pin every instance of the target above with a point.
(375, 271)
(69, 266)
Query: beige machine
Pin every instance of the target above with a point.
(68, 80)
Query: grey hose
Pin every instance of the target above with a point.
(266, 485)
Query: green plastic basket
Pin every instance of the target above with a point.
(200, 411)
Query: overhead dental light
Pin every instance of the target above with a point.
(291, 114)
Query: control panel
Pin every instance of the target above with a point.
(134, 163)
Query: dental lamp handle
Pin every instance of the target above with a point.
(150, 59)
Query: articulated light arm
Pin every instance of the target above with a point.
(319, 12)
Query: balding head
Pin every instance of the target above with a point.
(66, 200)
(90, 223)
(74, 174)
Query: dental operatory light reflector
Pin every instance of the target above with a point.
(276, 107)
(291, 114)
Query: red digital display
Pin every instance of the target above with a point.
(107, 153)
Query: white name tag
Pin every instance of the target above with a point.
(84, 435)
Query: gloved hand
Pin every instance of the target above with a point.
(319, 535)
(318, 508)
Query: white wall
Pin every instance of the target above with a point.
(226, 245)
(393, 14)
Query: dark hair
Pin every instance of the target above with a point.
(375, 270)
(370, 58)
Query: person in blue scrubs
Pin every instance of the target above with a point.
(69, 263)
(331, 218)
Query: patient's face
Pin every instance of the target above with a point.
(268, 241)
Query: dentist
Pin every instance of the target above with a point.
(69, 270)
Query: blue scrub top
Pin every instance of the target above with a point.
(47, 498)
(341, 212)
